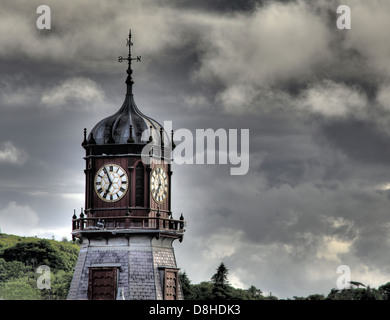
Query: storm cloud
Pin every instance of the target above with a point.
(315, 100)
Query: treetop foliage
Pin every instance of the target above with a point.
(19, 258)
(220, 289)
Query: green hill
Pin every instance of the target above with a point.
(20, 258)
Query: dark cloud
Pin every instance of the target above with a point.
(361, 140)
(220, 5)
(314, 98)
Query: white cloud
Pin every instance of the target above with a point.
(24, 221)
(73, 92)
(49, 232)
(272, 43)
(11, 154)
(84, 43)
(383, 96)
(369, 32)
(223, 244)
(15, 93)
(18, 219)
(384, 186)
(74, 196)
(332, 99)
(331, 248)
(236, 98)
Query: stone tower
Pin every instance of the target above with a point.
(127, 228)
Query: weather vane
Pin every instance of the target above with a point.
(129, 80)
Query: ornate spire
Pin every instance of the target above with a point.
(129, 80)
(127, 124)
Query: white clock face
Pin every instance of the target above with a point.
(159, 184)
(111, 182)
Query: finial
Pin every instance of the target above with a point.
(162, 143)
(182, 222)
(91, 139)
(85, 138)
(172, 142)
(150, 135)
(162, 136)
(129, 80)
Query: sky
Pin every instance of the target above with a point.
(316, 101)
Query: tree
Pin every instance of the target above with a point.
(355, 294)
(186, 286)
(254, 293)
(271, 297)
(221, 288)
(11, 270)
(203, 291)
(58, 256)
(59, 286)
(220, 278)
(316, 297)
(384, 291)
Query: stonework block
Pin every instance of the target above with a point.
(138, 267)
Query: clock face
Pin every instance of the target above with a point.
(111, 182)
(159, 184)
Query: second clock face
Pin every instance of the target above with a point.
(159, 184)
(111, 182)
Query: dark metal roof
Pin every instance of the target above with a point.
(116, 128)
(128, 123)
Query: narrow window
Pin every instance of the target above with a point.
(139, 185)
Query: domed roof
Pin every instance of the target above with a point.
(128, 124)
(125, 126)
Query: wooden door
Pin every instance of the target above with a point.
(170, 284)
(102, 284)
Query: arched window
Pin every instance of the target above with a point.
(139, 185)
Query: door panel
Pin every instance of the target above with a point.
(102, 284)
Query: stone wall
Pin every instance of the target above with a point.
(137, 258)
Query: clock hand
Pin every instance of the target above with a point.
(109, 186)
(158, 189)
(159, 185)
(159, 182)
(109, 179)
(106, 172)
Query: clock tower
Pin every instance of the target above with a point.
(127, 228)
